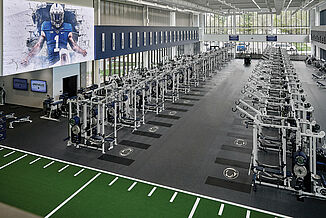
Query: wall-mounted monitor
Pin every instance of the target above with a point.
(38, 86)
(41, 35)
(233, 37)
(20, 84)
(271, 38)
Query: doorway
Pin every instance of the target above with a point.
(70, 85)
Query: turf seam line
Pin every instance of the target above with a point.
(151, 183)
(72, 196)
(6, 155)
(63, 168)
(220, 212)
(13, 161)
(132, 186)
(49, 164)
(37, 159)
(193, 210)
(152, 191)
(79, 172)
(173, 197)
(248, 214)
(113, 181)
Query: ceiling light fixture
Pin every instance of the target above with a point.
(256, 4)
(288, 5)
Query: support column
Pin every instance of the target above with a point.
(201, 26)
(173, 23)
(97, 78)
(145, 23)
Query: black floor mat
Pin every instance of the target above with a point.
(134, 144)
(233, 163)
(198, 95)
(116, 159)
(228, 184)
(236, 149)
(191, 99)
(176, 109)
(156, 123)
(147, 134)
(184, 104)
(168, 116)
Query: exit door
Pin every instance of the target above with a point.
(70, 85)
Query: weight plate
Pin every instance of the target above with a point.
(75, 130)
(125, 152)
(300, 171)
(153, 129)
(231, 173)
(300, 160)
(323, 192)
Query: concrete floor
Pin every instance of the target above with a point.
(184, 156)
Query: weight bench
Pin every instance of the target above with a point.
(20, 120)
(321, 84)
(316, 77)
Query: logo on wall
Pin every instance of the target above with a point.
(42, 35)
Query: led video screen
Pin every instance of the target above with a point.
(39, 35)
(20, 84)
(38, 86)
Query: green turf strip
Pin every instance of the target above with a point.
(101, 200)
(38, 190)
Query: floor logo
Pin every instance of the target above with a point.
(240, 142)
(231, 173)
(126, 152)
(153, 129)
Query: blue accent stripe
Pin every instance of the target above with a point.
(164, 35)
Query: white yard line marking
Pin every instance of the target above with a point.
(6, 155)
(79, 172)
(113, 181)
(173, 197)
(220, 212)
(248, 214)
(152, 191)
(150, 183)
(132, 186)
(193, 210)
(49, 164)
(63, 168)
(13, 161)
(37, 159)
(72, 196)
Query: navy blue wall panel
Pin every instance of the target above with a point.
(156, 38)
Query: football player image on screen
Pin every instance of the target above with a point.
(57, 35)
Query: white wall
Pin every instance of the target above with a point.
(62, 72)
(27, 98)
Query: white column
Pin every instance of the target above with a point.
(97, 78)
(173, 22)
(201, 31)
(145, 23)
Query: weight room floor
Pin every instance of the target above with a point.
(192, 153)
